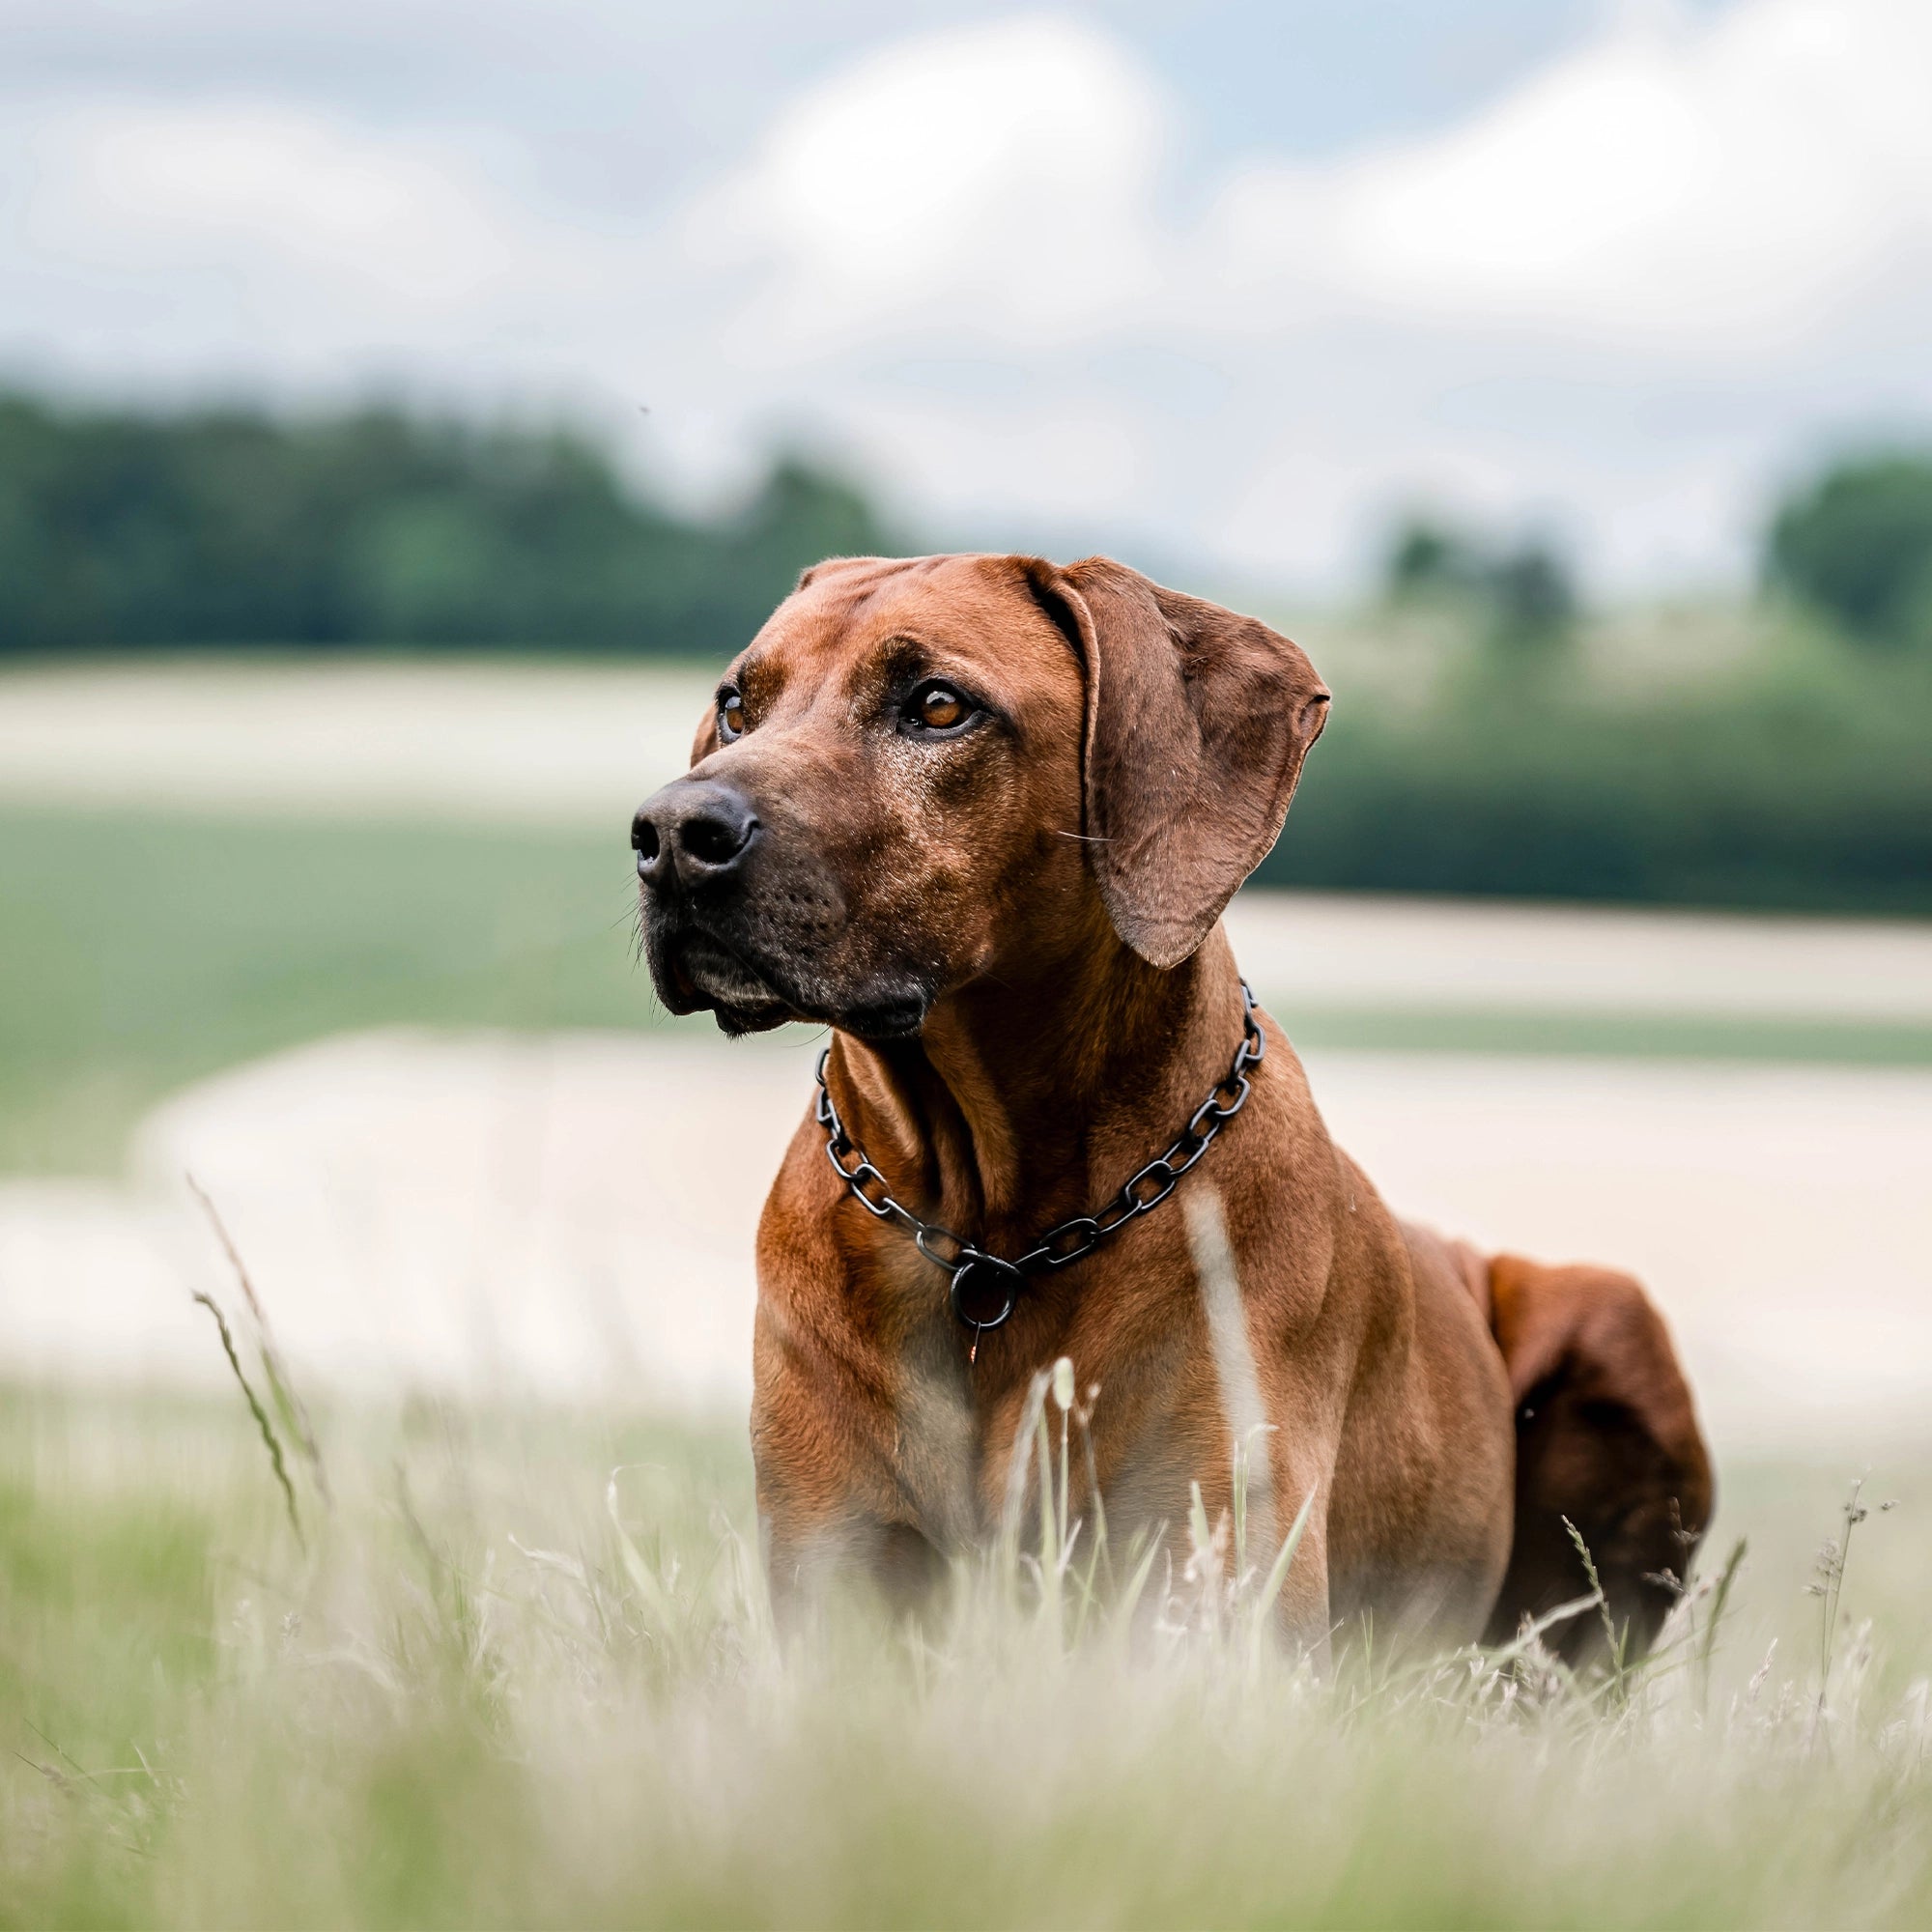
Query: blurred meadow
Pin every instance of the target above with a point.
(349, 941)
(397, 436)
(519, 1671)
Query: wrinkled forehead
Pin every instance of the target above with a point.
(959, 613)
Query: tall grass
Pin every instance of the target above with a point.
(424, 1664)
(522, 1672)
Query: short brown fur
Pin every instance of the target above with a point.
(1015, 936)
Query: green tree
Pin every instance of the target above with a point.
(1425, 557)
(1857, 543)
(1532, 597)
(1525, 594)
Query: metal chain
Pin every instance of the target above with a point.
(1073, 1239)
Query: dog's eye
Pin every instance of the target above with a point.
(938, 708)
(730, 716)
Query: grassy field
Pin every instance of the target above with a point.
(506, 1667)
(140, 951)
(518, 1671)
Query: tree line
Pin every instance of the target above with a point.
(124, 530)
(1796, 781)
(1854, 544)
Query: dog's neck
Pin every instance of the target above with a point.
(1019, 1101)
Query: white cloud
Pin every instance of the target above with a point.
(292, 193)
(1609, 298)
(1003, 175)
(1735, 186)
(261, 244)
(1670, 187)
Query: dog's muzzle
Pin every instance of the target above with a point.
(737, 924)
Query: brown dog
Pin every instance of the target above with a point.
(980, 816)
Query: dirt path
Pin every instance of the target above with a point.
(574, 1213)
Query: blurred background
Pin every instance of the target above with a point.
(406, 410)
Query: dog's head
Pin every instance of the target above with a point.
(922, 772)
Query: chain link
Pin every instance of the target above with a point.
(1072, 1240)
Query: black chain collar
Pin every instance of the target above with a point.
(986, 1287)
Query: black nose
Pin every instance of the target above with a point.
(696, 831)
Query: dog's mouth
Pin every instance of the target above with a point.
(695, 971)
(714, 970)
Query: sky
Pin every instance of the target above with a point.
(1235, 285)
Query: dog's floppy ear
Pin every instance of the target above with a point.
(1197, 724)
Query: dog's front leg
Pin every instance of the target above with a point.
(1302, 1617)
(847, 1558)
